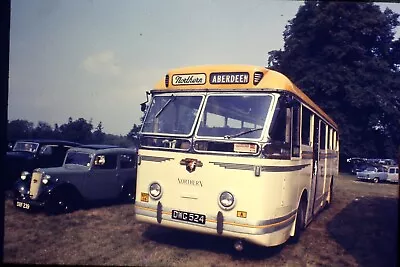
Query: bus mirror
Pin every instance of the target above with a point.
(143, 107)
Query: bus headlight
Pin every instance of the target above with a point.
(155, 190)
(46, 179)
(24, 175)
(226, 200)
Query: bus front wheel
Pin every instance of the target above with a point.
(300, 221)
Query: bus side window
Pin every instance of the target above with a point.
(305, 126)
(328, 140)
(296, 130)
(322, 136)
(280, 128)
(280, 136)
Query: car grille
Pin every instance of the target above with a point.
(35, 184)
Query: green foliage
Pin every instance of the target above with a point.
(122, 141)
(344, 56)
(19, 129)
(98, 135)
(77, 131)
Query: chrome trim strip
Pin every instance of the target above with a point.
(249, 167)
(236, 166)
(283, 168)
(155, 159)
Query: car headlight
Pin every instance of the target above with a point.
(155, 190)
(226, 200)
(46, 179)
(24, 175)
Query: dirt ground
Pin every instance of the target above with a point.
(359, 229)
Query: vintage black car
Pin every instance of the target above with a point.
(90, 173)
(27, 155)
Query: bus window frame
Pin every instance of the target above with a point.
(266, 125)
(297, 104)
(175, 93)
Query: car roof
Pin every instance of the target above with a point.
(50, 141)
(100, 149)
(98, 146)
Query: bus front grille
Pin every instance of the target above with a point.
(35, 184)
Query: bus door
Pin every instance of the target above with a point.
(314, 179)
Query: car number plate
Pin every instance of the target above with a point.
(23, 205)
(188, 216)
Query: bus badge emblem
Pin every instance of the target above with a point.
(191, 164)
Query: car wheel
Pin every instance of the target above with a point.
(59, 204)
(376, 180)
(300, 221)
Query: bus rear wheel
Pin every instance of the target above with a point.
(330, 195)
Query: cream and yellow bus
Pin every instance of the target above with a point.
(236, 151)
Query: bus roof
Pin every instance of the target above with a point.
(233, 77)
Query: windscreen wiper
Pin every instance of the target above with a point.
(172, 98)
(242, 133)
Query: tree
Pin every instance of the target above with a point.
(343, 56)
(77, 131)
(19, 129)
(57, 132)
(98, 135)
(43, 130)
(133, 133)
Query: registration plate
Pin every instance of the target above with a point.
(23, 205)
(188, 216)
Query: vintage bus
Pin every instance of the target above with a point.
(236, 151)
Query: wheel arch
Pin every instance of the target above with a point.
(65, 188)
(303, 197)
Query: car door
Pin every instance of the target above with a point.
(392, 175)
(127, 169)
(47, 156)
(102, 180)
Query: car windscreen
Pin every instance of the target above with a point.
(78, 158)
(26, 147)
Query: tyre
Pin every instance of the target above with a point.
(330, 196)
(59, 203)
(300, 221)
(376, 180)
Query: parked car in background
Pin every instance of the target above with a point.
(375, 174)
(89, 173)
(393, 174)
(26, 155)
(10, 145)
(359, 167)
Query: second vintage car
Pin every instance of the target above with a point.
(29, 154)
(89, 173)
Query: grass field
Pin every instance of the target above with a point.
(359, 229)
